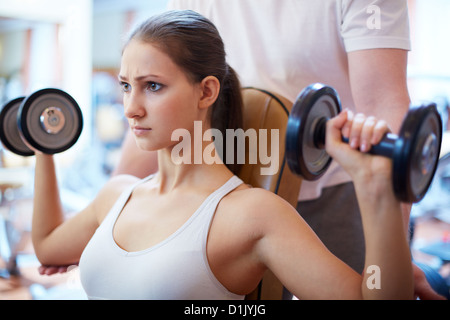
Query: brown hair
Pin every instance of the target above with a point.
(194, 44)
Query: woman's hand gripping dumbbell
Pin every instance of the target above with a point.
(414, 152)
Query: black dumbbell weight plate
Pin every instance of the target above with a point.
(9, 130)
(415, 158)
(304, 157)
(50, 120)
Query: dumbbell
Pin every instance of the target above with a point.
(414, 152)
(49, 121)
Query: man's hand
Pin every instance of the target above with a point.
(422, 289)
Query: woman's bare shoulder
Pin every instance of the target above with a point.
(258, 198)
(110, 193)
(120, 182)
(257, 204)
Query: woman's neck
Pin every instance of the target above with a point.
(174, 174)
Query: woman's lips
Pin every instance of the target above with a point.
(140, 131)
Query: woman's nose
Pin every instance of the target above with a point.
(134, 106)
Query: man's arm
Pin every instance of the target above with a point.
(379, 84)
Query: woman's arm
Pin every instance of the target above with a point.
(58, 241)
(302, 263)
(387, 247)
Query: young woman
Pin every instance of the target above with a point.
(195, 231)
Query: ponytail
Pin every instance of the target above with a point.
(227, 113)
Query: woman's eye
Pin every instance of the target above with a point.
(125, 87)
(153, 86)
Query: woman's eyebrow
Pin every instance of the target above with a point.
(138, 78)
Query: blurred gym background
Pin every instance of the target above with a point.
(76, 45)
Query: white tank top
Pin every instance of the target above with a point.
(176, 268)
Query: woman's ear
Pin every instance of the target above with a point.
(210, 87)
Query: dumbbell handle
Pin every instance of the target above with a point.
(384, 148)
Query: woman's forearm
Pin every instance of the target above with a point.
(47, 208)
(388, 259)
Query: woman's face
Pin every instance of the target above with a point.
(158, 97)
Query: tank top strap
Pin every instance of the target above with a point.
(225, 189)
(209, 206)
